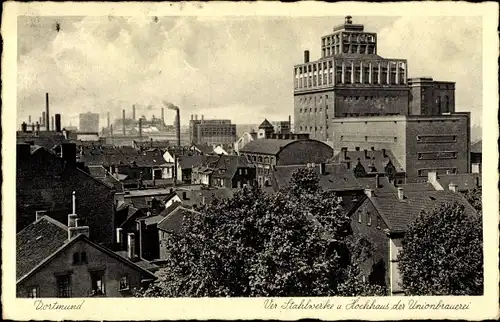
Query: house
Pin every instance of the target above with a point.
(268, 153)
(476, 153)
(203, 149)
(332, 177)
(171, 224)
(145, 145)
(383, 218)
(55, 260)
(185, 164)
(196, 197)
(369, 163)
(48, 182)
(230, 171)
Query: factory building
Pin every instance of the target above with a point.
(211, 132)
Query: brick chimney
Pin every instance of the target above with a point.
(119, 237)
(384, 153)
(453, 187)
(377, 181)
(431, 176)
(366, 154)
(369, 193)
(131, 246)
(78, 230)
(401, 195)
(39, 214)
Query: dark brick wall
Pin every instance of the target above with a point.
(457, 125)
(312, 111)
(376, 268)
(247, 178)
(46, 183)
(303, 152)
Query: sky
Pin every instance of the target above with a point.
(240, 68)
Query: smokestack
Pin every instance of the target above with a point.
(52, 123)
(140, 128)
(196, 117)
(306, 56)
(202, 118)
(58, 122)
(29, 119)
(178, 127)
(33, 127)
(108, 120)
(123, 121)
(47, 115)
(39, 121)
(44, 118)
(133, 112)
(162, 115)
(24, 127)
(38, 127)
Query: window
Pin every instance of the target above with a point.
(33, 292)
(76, 258)
(124, 283)
(360, 216)
(97, 280)
(63, 286)
(369, 219)
(378, 222)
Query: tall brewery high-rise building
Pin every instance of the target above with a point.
(351, 79)
(89, 122)
(358, 100)
(211, 132)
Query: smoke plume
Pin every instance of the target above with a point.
(170, 106)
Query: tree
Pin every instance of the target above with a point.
(474, 197)
(442, 253)
(296, 242)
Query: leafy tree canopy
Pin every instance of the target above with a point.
(296, 242)
(474, 197)
(442, 253)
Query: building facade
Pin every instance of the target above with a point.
(211, 132)
(89, 122)
(420, 143)
(351, 79)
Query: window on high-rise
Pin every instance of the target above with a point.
(347, 77)
(357, 74)
(447, 105)
(338, 74)
(375, 75)
(366, 74)
(383, 78)
(392, 79)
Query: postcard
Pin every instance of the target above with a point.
(266, 160)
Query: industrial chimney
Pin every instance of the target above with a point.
(44, 118)
(58, 122)
(140, 128)
(52, 123)
(47, 115)
(29, 119)
(162, 116)
(108, 120)
(123, 121)
(133, 112)
(306, 56)
(178, 128)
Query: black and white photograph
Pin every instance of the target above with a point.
(274, 157)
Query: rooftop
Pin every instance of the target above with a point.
(266, 146)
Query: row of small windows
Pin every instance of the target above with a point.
(440, 171)
(305, 110)
(437, 155)
(315, 128)
(345, 36)
(366, 139)
(318, 99)
(327, 66)
(259, 159)
(347, 48)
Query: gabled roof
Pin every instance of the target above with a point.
(266, 146)
(224, 166)
(172, 223)
(398, 214)
(189, 161)
(336, 177)
(38, 241)
(97, 171)
(375, 159)
(203, 148)
(170, 208)
(266, 125)
(385, 186)
(38, 244)
(196, 197)
(477, 147)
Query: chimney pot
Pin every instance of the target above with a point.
(368, 193)
(131, 246)
(401, 195)
(24, 127)
(184, 197)
(119, 236)
(453, 187)
(377, 181)
(384, 153)
(366, 154)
